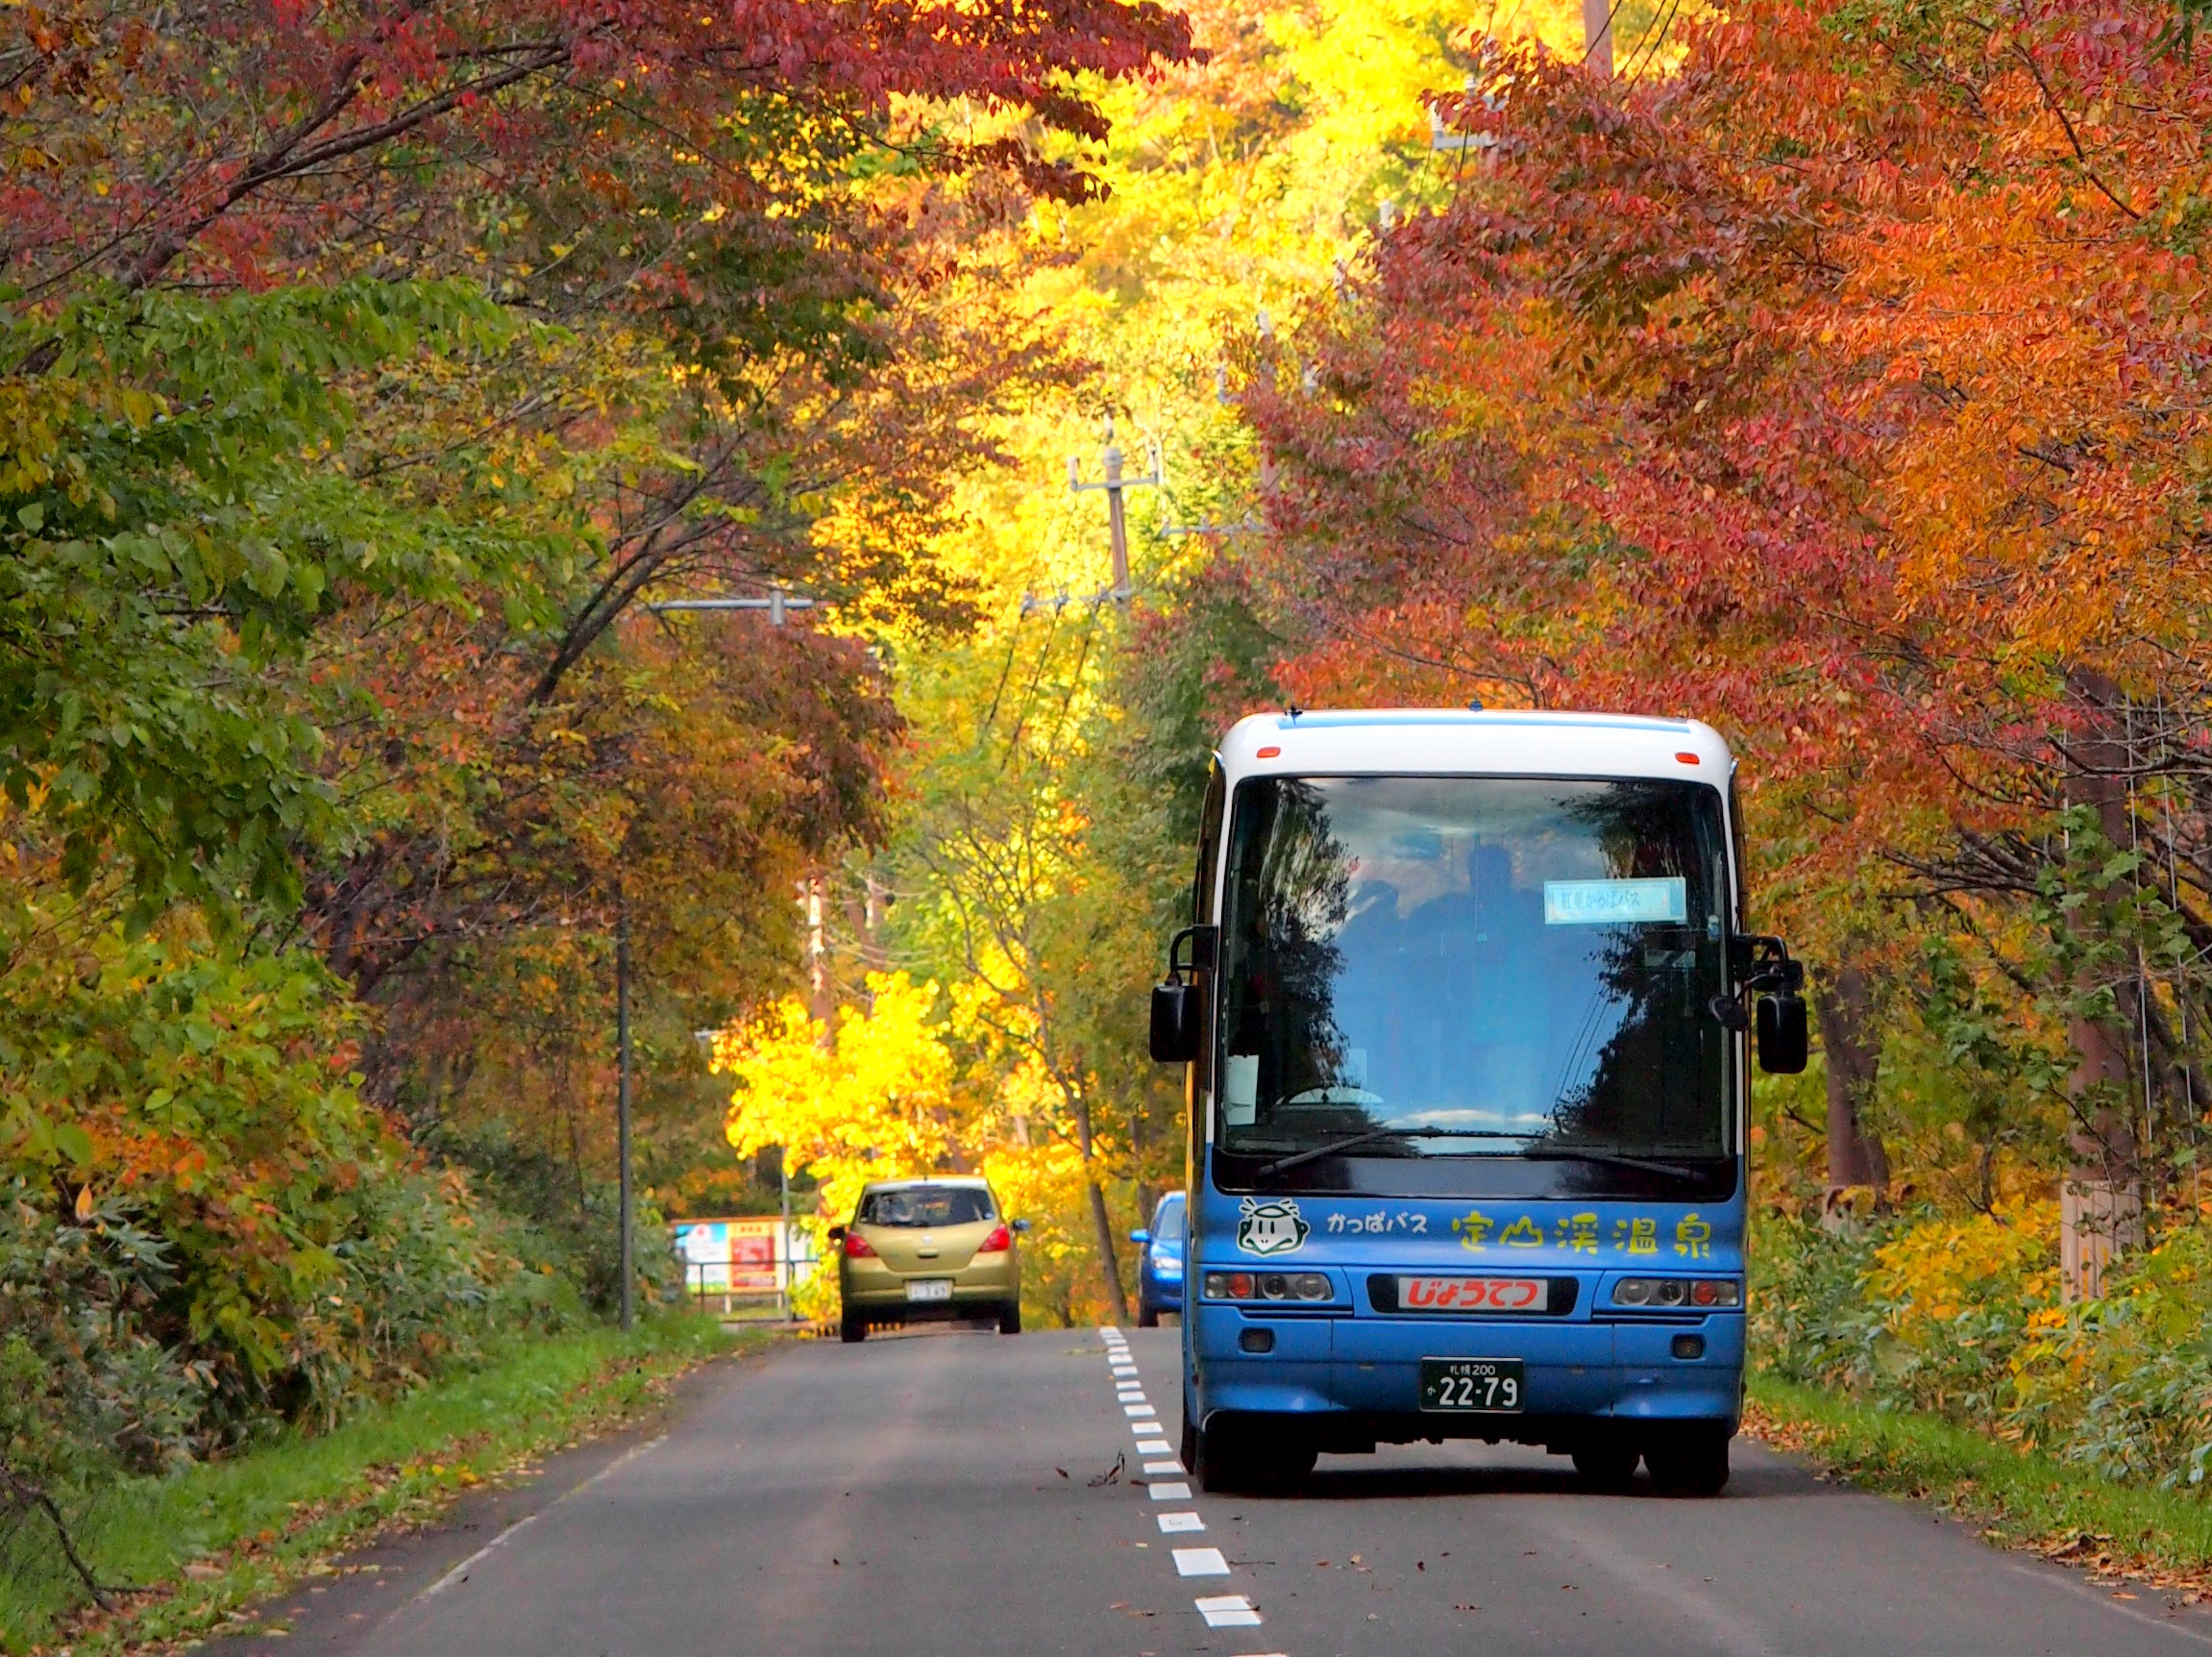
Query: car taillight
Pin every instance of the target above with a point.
(856, 1247)
(997, 1243)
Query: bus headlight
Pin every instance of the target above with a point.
(1268, 1286)
(1698, 1294)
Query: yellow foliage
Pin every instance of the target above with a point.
(1044, 1184)
(1931, 1273)
(883, 1098)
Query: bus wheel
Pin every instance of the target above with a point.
(1224, 1464)
(1688, 1464)
(1187, 1451)
(1607, 1464)
(1232, 1464)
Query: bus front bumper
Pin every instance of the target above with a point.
(1359, 1378)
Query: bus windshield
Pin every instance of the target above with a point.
(1421, 967)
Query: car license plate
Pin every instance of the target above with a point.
(1471, 1386)
(930, 1289)
(1474, 1294)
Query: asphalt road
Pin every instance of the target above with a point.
(939, 1496)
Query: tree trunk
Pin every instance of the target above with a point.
(1855, 1158)
(2101, 1200)
(1108, 1262)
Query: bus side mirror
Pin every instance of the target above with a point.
(1783, 1038)
(1175, 1023)
(1176, 1010)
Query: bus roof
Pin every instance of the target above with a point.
(1518, 742)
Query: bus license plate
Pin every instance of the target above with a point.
(1471, 1386)
(1474, 1294)
(930, 1289)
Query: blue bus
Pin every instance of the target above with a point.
(1465, 1005)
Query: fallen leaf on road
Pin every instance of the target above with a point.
(1112, 1474)
(1060, 1470)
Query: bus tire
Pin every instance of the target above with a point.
(1187, 1450)
(1223, 1469)
(1236, 1462)
(1692, 1463)
(1607, 1464)
(852, 1330)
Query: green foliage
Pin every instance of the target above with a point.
(573, 1214)
(176, 519)
(84, 1388)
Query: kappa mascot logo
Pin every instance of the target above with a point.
(1272, 1227)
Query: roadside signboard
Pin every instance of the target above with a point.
(743, 1255)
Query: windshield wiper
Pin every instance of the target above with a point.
(1609, 1158)
(1370, 1136)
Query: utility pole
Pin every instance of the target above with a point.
(1598, 34)
(1116, 518)
(621, 1095)
(783, 1240)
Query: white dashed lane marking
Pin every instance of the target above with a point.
(1220, 1610)
(1228, 1611)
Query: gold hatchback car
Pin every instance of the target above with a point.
(929, 1250)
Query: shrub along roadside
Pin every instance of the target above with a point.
(214, 1537)
(2018, 1498)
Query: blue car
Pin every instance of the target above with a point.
(1160, 1268)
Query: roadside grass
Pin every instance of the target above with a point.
(2017, 1498)
(199, 1548)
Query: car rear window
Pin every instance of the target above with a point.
(925, 1205)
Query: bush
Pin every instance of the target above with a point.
(205, 1231)
(576, 1218)
(1963, 1319)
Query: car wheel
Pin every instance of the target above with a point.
(1607, 1464)
(1688, 1464)
(1147, 1317)
(1010, 1319)
(852, 1329)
